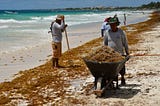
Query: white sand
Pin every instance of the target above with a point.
(12, 63)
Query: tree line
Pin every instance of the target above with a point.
(151, 5)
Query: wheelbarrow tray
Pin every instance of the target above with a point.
(109, 70)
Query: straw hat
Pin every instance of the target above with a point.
(112, 20)
(59, 17)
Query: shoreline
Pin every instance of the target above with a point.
(11, 64)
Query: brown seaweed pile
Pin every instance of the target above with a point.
(104, 54)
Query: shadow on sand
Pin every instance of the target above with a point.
(125, 92)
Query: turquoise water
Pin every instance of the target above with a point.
(47, 16)
(24, 29)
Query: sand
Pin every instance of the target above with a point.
(142, 78)
(12, 63)
(143, 88)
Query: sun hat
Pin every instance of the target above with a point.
(112, 20)
(59, 17)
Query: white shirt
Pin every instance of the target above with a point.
(57, 31)
(105, 26)
(116, 40)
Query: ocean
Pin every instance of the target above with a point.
(24, 29)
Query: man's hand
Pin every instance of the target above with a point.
(62, 17)
(65, 25)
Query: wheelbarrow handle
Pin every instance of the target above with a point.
(127, 57)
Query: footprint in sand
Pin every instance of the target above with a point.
(5, 64)
(13, 60)
(21, 58)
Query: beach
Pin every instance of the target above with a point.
(12, 63)
(29, 57)
(43, 85)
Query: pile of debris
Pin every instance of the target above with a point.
(104, 54)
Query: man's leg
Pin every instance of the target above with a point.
(122, 72)
(56, 53)
(53, 62)
(56, 63)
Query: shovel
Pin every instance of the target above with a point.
(67, 39)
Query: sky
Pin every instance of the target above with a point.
(55, 4)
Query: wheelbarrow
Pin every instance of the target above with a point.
(105, 73)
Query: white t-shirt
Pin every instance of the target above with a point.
(116, 40)
(57, 31)
(105, 26)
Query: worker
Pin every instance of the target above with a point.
(57, 27)
(116, 38)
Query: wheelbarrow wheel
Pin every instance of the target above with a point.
(99, 83)
(98, 90)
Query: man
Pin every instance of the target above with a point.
(125, 19)
(116, 39)
(57, 27)
(105, 26)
